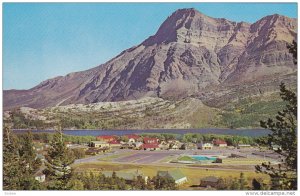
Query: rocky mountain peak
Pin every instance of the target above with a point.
(190, 53)
(177, 27)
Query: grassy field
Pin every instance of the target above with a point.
(243, 161)
(193, 174)
(185, 158)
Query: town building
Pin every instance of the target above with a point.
(107, 138)
(220, 143)
(132, 138)
(153, 146)
(276, 147)
(204, 146)
(125, 145)
(137, 145)
(209, 182)
(99, 144)
(175, 146)
(93, 151)
(164, 145)
(39, 176)
(189, 146)
(114, 144)
(148, 140)
(68, 144)
(243, 146)
(176, 175)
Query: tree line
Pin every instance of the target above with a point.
(21, 164)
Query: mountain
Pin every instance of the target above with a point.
(191, 54)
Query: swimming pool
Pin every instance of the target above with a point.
(203, 158)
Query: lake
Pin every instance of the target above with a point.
(241, 132)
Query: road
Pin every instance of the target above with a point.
(94, 158)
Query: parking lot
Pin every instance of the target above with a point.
(164, 156)
(146, 157)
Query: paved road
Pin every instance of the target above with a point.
(94, 158)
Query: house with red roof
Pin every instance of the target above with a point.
(107, 138)
(153, 146)
(149, 140)
(220, 143)
(114, 144)
(132, 138)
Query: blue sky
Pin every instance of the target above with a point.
(45, 40)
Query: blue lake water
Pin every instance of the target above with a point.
(241, 132)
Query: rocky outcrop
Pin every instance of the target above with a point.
(189, 53)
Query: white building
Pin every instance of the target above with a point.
(205, 146)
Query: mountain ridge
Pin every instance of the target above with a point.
(189, 53)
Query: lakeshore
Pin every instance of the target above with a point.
(89, 132)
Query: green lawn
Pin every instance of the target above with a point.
(193, 174)
(186, 158)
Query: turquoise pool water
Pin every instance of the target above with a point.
(203, 158)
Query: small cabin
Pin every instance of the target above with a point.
(209, 182)
(176, 175)
(99, 144)
(220, 143)
(205, 146)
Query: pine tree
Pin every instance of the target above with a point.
(75, 184)
(11, 159)
(139, 183)
(235, 185)
(18, 162)
(293, 50)
(256, 185)
(222, 185)
(58, 161)
(242, 181)
(27, 153)
(29, 164)
(284, 134)
(164, 183)
(158, 91)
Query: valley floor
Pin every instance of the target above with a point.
(149, 162)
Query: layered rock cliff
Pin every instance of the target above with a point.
(190, 54)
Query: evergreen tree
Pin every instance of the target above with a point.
(164, 183)
(92, 181)
(28, 182)
(284, 134)
(139, 183)
(293, 50)
(75, 184)
(235, 185)
(158, 91)
(242, 181)
(222, 184)
(58, 161)
(256, 185)
(28, 154)
(11, 159)
(28, 163)
(19, 164)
